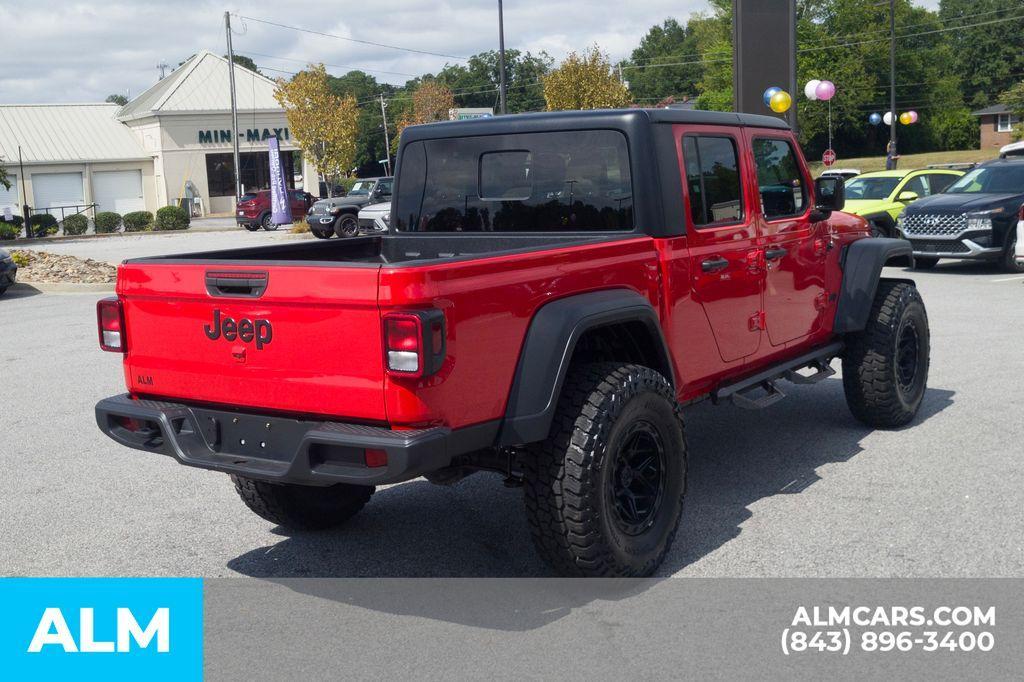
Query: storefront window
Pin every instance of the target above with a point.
(255, 173)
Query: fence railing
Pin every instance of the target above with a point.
(65, 212)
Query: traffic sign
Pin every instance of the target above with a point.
(829, 157)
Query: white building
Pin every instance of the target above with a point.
(171, 142)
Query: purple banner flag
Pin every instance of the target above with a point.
(280, 207)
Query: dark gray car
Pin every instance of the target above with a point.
(340, 215)
(8, 271)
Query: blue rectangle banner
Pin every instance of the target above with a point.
(102, 628)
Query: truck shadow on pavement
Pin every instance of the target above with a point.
(477, 528)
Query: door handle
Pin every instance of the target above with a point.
(714, 264)
(772, 254)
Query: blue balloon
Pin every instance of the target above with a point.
(768, 95)
(874, 119)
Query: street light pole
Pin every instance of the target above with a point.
(501, 59)
(892, 73)
(234, 107)
(387, 140)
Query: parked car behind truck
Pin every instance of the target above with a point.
(880, 196)
(554, 289)
(340, 215)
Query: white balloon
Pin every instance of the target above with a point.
(809, 89)
(887, 118)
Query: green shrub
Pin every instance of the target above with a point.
(43, 224)
(21, 258)
(171, 218)
(76, 224)
(138, 221)
(8, 231)
(15, 220)
(107, 222)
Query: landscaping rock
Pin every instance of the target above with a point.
(49, 267)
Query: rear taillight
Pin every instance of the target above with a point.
(414, 342)
(110, 317)
(1020, 213)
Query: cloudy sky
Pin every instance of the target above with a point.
(81, 51)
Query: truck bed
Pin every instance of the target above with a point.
(378, 250)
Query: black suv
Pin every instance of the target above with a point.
(975, 218)
(340, 215)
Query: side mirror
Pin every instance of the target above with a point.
(906, 197)
(829, 195)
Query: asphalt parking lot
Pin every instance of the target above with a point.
(799, 489)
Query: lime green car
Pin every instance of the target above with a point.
(880, 196)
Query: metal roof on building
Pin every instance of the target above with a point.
(201, 84)
(66, 133)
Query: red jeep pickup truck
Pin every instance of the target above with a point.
(554, 290)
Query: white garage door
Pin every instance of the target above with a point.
(57, 189)
(118, 191)
(10, 197)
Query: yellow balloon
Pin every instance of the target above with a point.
(780, 102)
(906, 119)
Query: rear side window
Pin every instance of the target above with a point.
(940, 181)
(779, 180)
(713, 179)
(530, 182)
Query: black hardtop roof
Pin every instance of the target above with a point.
(1008, 161)
(624, 119)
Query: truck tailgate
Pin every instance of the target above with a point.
(298, 339)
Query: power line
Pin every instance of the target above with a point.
(336, 66)
(351, 40)
(913, 35)
(928, 23)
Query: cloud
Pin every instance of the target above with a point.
(82, 51)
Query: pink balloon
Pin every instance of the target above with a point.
(913, 116)
(825, 90)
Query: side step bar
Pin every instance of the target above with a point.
(761, 390)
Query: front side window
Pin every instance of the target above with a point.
(526, 182)
(940, 181)
(779, 180)
(713, 179)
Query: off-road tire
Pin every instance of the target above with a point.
(925, 262)
(301, 507)
(347, 225)
(268, 222)
(885, 367)
(322, 235)
(569, 478)
(3, 290)
(1009, 259)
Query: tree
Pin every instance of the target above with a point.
(987, 58)
(4, 180)
(1014, 101)
(475, 84)
(324, 124)
(120, 100)
(370, 138)
(665, 64)
(245, 62)
(431, 101)
(585, 81)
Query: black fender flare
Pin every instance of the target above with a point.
(883, 219)
(548, 348)
(862, 264)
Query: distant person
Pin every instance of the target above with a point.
(891, 157)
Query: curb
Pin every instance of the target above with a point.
(63, 287)
(15, 243)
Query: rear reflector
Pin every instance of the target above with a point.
(376, 458)
(110, 318)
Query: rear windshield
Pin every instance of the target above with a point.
(530, 182)
(248, 196)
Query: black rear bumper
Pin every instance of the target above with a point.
(282, 449)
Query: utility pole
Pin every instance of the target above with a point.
(501, 59)
(892, 73)
(387, 140)
(163, 68)
(234, 107)
(24, 197)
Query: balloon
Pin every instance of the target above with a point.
(780, 102)
(809, 89)
(905, 118)
(913, 116)
(887, 118)
(768, 95)
(874, 119)
(825, 90)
